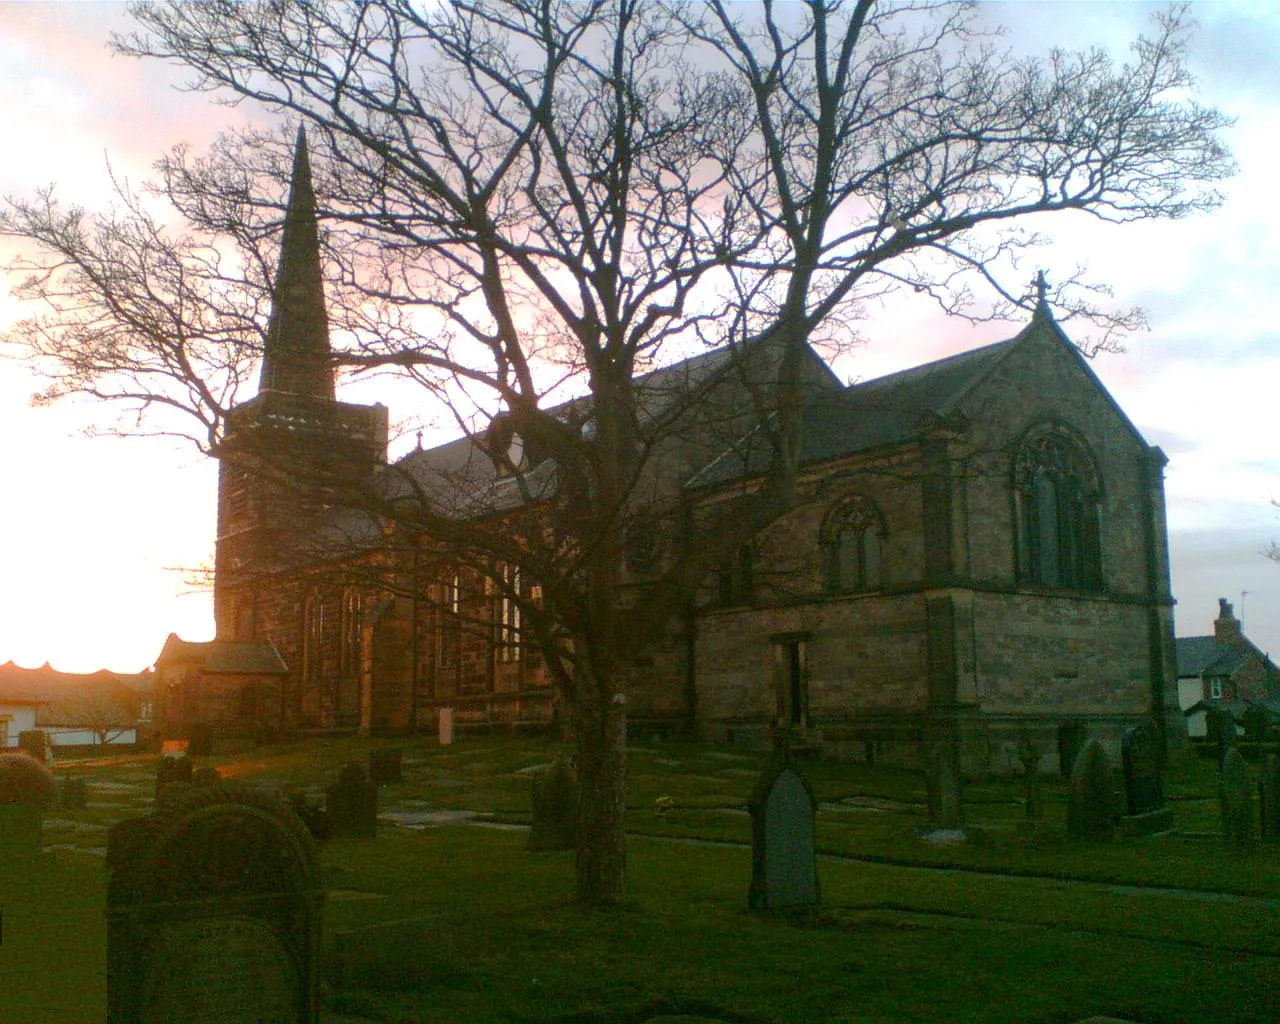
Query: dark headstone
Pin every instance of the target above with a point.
(1235, 799)
(36, 743)
(352, 805)
(1029, 756)
(555, 808)
(1093, 799)
(1257, 724)
(72, 795)
(206, 776)
(384, 766)
(1221, 732)
(1269, 799)
(213, 913)
(1143, 786)
(1071, 737)
(172, 769)
(200, 740)
(942, 781)
(784, 873)
(310, 810)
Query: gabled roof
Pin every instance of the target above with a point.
(462, 479)
(885, 411)
(1199, 656)
(224, 657)
(47, 687)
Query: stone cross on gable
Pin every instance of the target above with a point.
(1041, 286)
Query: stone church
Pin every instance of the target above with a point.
(979, 552)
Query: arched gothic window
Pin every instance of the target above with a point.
(350, 651)
(312, 638)
(850, 536)
(1055, 488)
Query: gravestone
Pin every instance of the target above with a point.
(942, 782)
(206, 776)
(555, 808)
(1269, 799)
(1092, 796)
(1221, 732)
(36, 743)
(1235, 799)
(352, 805)
(200, 740)
(172, 769)
(72, 794)
(1029, 755)
(384, 766)
(213, 913)
(1071, 737)
(1143, 784)
(784, 870)
(444, 725)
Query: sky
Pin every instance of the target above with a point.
(96, 532)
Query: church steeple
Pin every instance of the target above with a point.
(296, 356)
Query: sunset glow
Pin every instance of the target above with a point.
(99, 536)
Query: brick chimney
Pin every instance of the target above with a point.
(1226, 628)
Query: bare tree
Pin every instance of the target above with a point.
(530, 193)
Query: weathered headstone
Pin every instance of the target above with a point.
(784, 870)
(35, 742)
(1092, 796)
(1221, 732)
(384, 765)
(72, 794)
(1235, 799)
(1071, 737)
(555, 808)
(206, 776)
(942, 782)
(200, 740)
(172, 769)
(1143, 784)
(1269, 799)
(213, 914)
(352, 805)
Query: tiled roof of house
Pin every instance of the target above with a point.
(63, 697)
(225, 657)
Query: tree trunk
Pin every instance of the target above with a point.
(601, 729)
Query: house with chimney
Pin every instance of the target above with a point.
(978, 552)
(1225, 671)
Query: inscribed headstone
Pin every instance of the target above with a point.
(784, 868)
(213, 913)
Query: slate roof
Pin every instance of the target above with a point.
(462, 479)
(225, 657)
(885, 411)
(1199, 656)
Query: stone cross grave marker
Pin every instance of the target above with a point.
(1143, 783)
(1235, 799)
(352, 804)
(213, 913)
(1092, 796)
(784, 872)
(1269, 799)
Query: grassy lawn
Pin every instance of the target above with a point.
(460, 923)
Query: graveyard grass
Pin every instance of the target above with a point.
(460, 923)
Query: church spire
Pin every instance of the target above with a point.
(296, 356)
